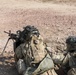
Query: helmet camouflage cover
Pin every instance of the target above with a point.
(71, 40)
(71, 43)
(28, 32)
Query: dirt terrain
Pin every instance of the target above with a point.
(55, 22)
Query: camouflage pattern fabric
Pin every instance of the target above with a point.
(45, 65)
(72, 71)
(42, 68)
(58, 58)
(21, 67)
(72, 60)
(34, 55)
(67, 62)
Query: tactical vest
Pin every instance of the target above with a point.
(34, 51)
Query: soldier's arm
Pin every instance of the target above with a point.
(65, 60)
(58, 58)
(18, 52)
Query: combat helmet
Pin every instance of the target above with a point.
(29, 31)
(71, 43)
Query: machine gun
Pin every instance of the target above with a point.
(11, 36)
(20, 36)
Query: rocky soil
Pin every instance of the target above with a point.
(55, 22)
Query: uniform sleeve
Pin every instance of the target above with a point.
(57, 58)
(18, 52)
(66, 60)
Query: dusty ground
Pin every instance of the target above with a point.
(55, 22)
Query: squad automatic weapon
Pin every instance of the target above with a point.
(11, 36)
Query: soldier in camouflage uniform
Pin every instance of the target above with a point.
(68, 59)
(31, 56)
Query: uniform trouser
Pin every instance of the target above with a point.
(50, 72)
(21, 67)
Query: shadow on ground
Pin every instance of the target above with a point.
(7, 66)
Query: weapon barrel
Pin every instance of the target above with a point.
(12, 35)
(7, 32)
